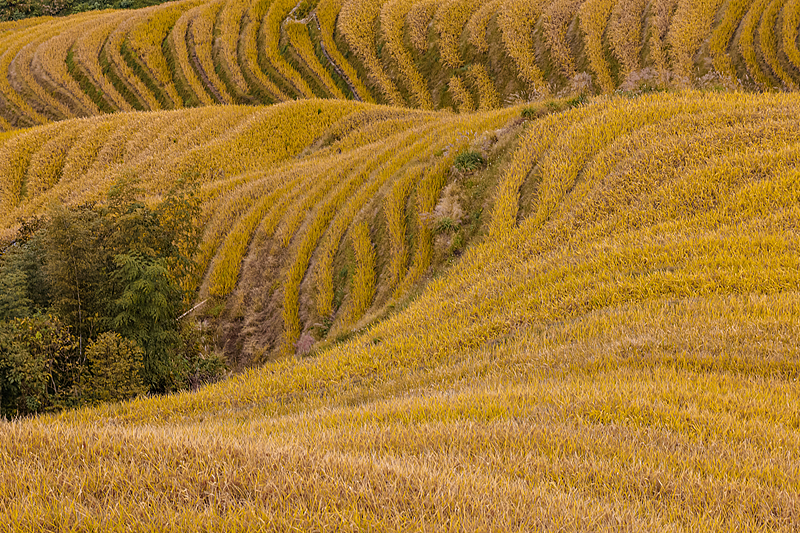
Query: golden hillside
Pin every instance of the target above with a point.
(460, 54)
(287, 192)
(620, 352)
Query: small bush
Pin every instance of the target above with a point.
(37, 357)
(577, 101)
(469, 161)
(202, 365)
(445, 224)
(531, 113)
(113, 369)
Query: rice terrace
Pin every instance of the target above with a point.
(400, 265)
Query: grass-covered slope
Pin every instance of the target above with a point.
(459, 54)
(315, 213)
(621, 354)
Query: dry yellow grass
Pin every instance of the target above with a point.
(449, 21)
(327, 12)
(594, 16)
(202, 34)
(249, 41)
(660, 17)
(625, 359)
(394, 207)
(768, 39)
(393, 17)
(723, 34)
(26, 75)
(386, 169)
(178, 41)
(690, 26)
(461, 96)
(230, 26)
(355, 23)
(487, 91)
(419, 18)
(112, 48)
(47, 164)
(331, 208)
(790, 23)
(618, 353)
(146, 38)
(297, 32)
(516, 20)
(406, 52)
(86, 52)
(625, 33)
(50, 66)
(478, 24)
(364, 276)
(747, 40)
(555, 21)
(269, 45)
(14, 104)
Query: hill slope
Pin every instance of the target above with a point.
(287, 191)
(460, 54)
(620, 354)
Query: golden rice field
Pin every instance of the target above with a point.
(619, 352)
(457, 54)
(596, 327)
(287, 189)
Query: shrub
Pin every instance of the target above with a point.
(37, 360)
(469, 161)
(532, 112)
(577, 101)
(202, 367)
(113, 369)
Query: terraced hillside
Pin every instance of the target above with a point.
(493, 279)
(288, 191)
(460, 54)
(621, 353)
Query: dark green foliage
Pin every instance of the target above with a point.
(91, 295)
(74, 264)
(577, 101)
(446, 224)
(469, 161)
(113, 369)
(531, 113)
(21, 9)
(38, 365)
(145, 311)
(14, 301)
(21, 266)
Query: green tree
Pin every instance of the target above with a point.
(146, 310)
(75, 267)
(38, 365)
(24, 288)
(117, 266)
(14, 301)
